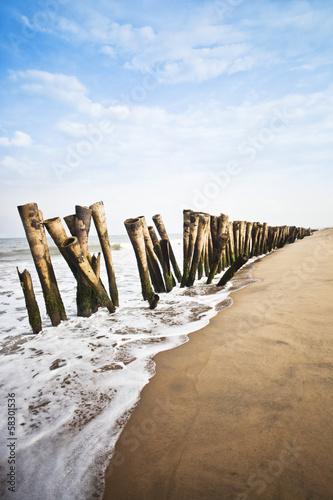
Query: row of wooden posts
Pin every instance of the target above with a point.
(210, 245)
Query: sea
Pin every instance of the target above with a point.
(68, 391)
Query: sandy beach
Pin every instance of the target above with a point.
(244, 410)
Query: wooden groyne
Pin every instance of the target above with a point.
(211, 245)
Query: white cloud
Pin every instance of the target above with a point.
(20, 139)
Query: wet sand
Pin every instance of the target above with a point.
(244, 410)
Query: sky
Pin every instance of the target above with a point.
(157, 106)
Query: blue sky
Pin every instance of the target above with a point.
(221, 106)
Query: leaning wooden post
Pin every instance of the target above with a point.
(194, 221)
(73, 249)
(30, 301)
(168, 277)
(162, 252)
(135, 233)
(83, 297)
(35, 233)
(202, 226)
(164, 235)
(240, 261)
(153, 265)
(98, 214)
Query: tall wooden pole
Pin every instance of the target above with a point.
(34, 230)
(98, 214)
(164, 235)
(202, 227)
(135, 232)
(153, 265)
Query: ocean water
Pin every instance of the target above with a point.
(75, 385)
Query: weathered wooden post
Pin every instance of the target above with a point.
(236, 225)
(98, 214)
(70, 222)
(186, 238)
(202, 227)
(135, 233)
(231, 243)
(221, 242)
(161, 249)
(164, 235)
(153, 265)
(242, 236)
(74, 252)
(96, 267)
(83, 297)
(194, 221)
(240, 261)
(30, 301)
(255, 237)
(35, 233)
(82, 226)
(247, 246)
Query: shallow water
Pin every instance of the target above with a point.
(76, 384)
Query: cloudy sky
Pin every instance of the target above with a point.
(155, 106)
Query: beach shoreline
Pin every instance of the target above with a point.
(243, 409)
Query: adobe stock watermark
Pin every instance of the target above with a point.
(76, 152)
(258, 482)
(225, 7)
(40, 21)
(249, 149)
(132, 437)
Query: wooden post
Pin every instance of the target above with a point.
(83, 296)
(194, 221)
(221, 242)
(35, 233)
(82, 226)
(220, 246)
(164, 258)
(168, 277)
(255, 237)
(153, 265)
(70, 221)
(186, 240)
(236, 237)
(98, 214)
(240, 261)
(95, 265)
(135, 232)
(30, 301)
(247, 246)
(202, 227)
(74, 252)
(164, 235)
(231, 243)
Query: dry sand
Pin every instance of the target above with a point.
(245, 408)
